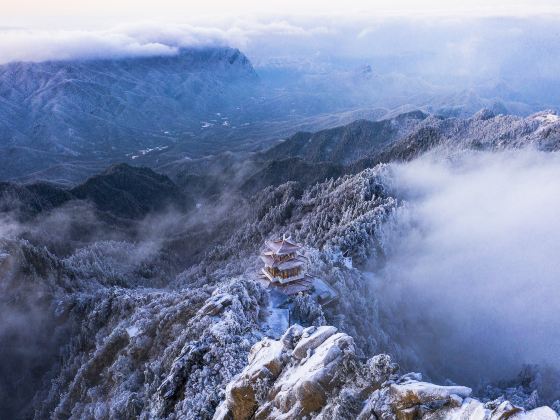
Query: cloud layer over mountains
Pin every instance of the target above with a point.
(512, 59)
(132, 40)
(472, 270)
(31, 45)
(444, 46)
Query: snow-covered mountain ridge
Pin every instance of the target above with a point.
(158, 323)
(407, 135)
(132, 340)
(315, 372)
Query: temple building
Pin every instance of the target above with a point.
(285, 275)
(285, 267)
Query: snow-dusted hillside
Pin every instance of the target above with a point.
(66, 120)
(405, 136)
(113, 332)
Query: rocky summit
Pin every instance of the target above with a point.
(315, 372)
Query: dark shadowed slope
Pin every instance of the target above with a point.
(130, 192)
(121, 191)
(347, 143)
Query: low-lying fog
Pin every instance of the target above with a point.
(471, 282)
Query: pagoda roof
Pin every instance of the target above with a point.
(293, 263)
(282, 246)
(281, 280)
(282, 265)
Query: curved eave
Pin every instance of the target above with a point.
(280, 280)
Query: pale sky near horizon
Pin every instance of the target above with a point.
(69, 13)
(38, 30)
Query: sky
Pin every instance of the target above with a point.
(72, 14)
(440, 41)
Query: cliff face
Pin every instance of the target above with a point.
(315, 372)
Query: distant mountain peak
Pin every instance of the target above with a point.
(107, 109)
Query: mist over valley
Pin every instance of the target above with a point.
(281, 218)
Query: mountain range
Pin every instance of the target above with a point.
(59, 112)
(136, 195)
(306, 157)
(63, 121)
(158, 316)
(309, 157)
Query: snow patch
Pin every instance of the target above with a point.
(548, 118)
(132, 331)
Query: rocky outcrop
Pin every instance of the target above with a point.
(289, 378)
(315, 373)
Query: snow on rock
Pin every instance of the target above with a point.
(540, 413)
(315, 373)
(304, 388)
(420, 392)
(267, 354)
(311, 338)
(266, 361)
(472, 409)
(216, 304)
(410, 397)
(293, 386)
(547, 117)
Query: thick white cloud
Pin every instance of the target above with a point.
(471, 279)
(138, 39)
(23, 45)
(442, 50)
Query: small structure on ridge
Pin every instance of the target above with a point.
(285, 267)
(285, 271)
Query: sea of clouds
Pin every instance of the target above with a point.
(471, 279)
